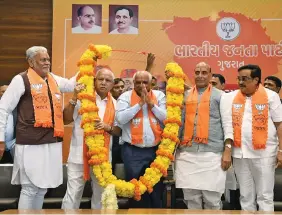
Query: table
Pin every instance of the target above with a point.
(133, 211)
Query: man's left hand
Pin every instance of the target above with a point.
(101, 125)
(148, 99)
(226, 159)
(2, 149)
(279, 159)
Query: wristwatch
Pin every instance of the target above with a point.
(72, 102)
(228, 145)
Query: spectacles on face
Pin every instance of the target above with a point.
(213, 83)
(243, 78)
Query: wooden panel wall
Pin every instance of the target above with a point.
(23, 23)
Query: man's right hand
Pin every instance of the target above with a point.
(78, 88)
(143, 95)
(2, 149)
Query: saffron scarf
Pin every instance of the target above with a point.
(42, 105)
(108, 118)
(259, 118)
(137, 122)
(202, 125)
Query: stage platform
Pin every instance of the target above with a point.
(133, 211)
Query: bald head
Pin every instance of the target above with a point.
(141, 79)
(202, 75)
(203, 65)
(143, 73)
(104, 82)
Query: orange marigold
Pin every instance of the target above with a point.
(137, 193)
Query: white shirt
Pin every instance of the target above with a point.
(76, 147)
(132, 30)
(125, 113)
(247, 150)
(94, 30)
(9, 134)
(37, 164)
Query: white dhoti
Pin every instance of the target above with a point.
(201, 177)
(75, 188)
(36, 168)
(256, 182)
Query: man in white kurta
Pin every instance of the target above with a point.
(254, 168)
(36, 167)
(200, 167)
(103, 84)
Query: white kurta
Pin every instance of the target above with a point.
(37, 164)
(94, 30)
(132, 30)
(255, 169)
(200, 171)
(76, 147)
(246, 150)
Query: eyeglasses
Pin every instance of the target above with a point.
(244, 78)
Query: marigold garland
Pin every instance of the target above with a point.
(94, 139)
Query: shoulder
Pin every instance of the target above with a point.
(158, 93)
(133, 30)
(76, 29)
(97, 27)
(273, 97)
(115, 31)
(125, 96)
(18, 79)
(228, 97)
(216, 93)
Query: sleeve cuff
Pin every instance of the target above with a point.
(2, 136)
(228, 136)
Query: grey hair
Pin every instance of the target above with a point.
(100, 69)
(143, 72)
(32, 51)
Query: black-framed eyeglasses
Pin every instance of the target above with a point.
(244, 78)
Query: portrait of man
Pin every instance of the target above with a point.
(123, 19)
(86, 19)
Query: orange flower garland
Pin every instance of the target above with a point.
(94, 139)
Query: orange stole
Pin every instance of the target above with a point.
(108, 118)
(259, 117)
(137, 128)
(42, 105)
(202, 127)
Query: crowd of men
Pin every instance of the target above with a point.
(240, 130)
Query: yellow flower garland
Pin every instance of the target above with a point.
(95, 140)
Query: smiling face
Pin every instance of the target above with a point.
(216, 83)
(247, 84)
(123, 19)
(40, 63)
(202, 75)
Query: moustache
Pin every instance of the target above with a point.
(242, 85)
(120, 23)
